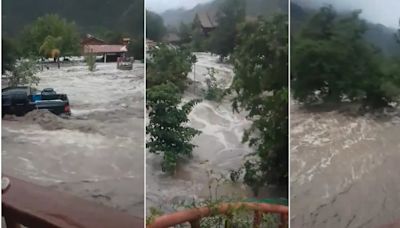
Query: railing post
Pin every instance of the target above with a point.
(257, 219)
(284, 218)
(195, 223)
(10, 223)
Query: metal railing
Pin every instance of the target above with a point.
(194, 216)
(34, 206)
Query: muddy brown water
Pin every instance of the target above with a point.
(219, 150)
(344, 169)
(97, 153)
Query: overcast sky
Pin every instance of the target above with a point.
(162, 5)
(386, 12)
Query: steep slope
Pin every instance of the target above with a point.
(88, 14)
(254, 8)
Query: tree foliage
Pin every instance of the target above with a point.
(168, 134)
(155, 29)
(90, 60)
(51, 31)
(331, 62)
(122, 15)
(261, 86)
(24, 73)
(185, 33)
(231, 14)
(9, 54)
(136, 48)
(168, 64)
(50, 47)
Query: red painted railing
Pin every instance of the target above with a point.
(34, 206)
(194, 216)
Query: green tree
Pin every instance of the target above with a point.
(168, 135)
(331, 61)
(49, 29)
(9, 53)
(185, 33)
(91, 61)
(136, 48)
(261, 86)
(155, 29)
(24, 73)
(168, 65)
(199, 41)
(51, 47)
(230, 15)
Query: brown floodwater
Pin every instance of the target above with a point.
(97, 153)
(219, 150)
(344, 168)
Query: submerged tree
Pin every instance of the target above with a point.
(91, 61)
(168, 134)
(261, 86)
(24, 74)
(168, 65)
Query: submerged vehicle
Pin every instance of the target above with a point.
(23, 99)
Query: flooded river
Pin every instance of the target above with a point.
(97, 153)
(219, 148)
(344, 169)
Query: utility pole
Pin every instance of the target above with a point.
(194, 60)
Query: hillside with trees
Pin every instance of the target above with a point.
(377, 34)
(253, 8)
(35, 28)
(333, 61)
(90, 16)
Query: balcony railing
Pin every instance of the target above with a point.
(35, 206)
(194, 216)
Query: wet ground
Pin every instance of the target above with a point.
(344, 169)
(97, 153)
(219, 148)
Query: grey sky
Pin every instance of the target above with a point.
(162, 5)
(386, 12)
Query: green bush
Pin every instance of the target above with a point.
(24, 73)
(91, 62)
(213, 92)
(167, 132)
(168, 64)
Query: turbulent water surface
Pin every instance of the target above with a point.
(98, 152)
(219, 148)
(344, 169)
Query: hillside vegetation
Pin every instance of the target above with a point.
(89, 15)
(253, 8)
(377, 34)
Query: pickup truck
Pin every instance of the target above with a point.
(21, 100)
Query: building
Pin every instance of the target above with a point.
(91, 40)
(150, 44)
(206, 20)
(110, 52)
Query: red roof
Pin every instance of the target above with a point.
(105, 48)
